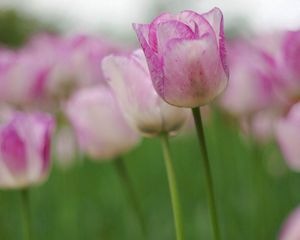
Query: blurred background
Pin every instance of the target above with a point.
(20, 18)
(87, 201)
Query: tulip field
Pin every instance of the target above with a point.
(89, 201)
(185, 134)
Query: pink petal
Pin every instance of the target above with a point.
(215, 19)
(173, 29)
(193, 72)
(154, 61)
(152, 35)
(13, 152)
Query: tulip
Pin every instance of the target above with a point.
(186, 56)
(288, 137)
(100, 127)
(289, 60)
(261, 126)
(25, 149)
(129, 77)
(76, 65)
(252, 80)
(103, 132)
(22, 79)
(187, 63)
(291, 227)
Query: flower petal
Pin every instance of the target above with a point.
(130, 79)
(13, 152)
(193, 72)
(172, 30)
(215, 18)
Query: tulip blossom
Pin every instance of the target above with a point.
(261, 125)
(186, 56)
(291, 227)
(76, 65)
(101, 129)
(289, 61)
(22, 78)
(252, 79)
(25, 149)
(129, 77)
(288, 137)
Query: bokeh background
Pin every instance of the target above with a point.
(88, 200)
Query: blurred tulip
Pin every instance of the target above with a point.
(186, 56)
(252, 79)
(25, 149)
(288, 137)
(100, 127)
(131, 82)
(261, 125)
(22, 79)
(77, 65)
(289, 60)
(291, 227)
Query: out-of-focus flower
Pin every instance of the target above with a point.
(100, 126)
(252, 79)
(186, 56)
(22, 77)
(77, 65)
(291, 227)
(25, 149)
(131, 82)
(289, 61)
(65, 147)
(288, 137)
(261, 125)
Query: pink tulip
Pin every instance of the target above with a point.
(252, 79)
(261, 125)
(130, 80)
(22, 78)
(76, 65)
(291, 227)
(288, 137)
(101, 129)
(289, 60)
(25, 149)
(186, 56)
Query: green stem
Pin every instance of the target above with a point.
(124, 176)
(208, 175)
(172, 187)
(259, 187)
(25, 208)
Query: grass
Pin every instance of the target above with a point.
(88, 201)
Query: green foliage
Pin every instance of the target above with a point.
(254, 193)
(16, 28)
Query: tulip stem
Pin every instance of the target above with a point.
(25, 208)
(124, 176)
(172, 187)
(208, 175)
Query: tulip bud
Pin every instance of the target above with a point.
(25, 149)
(101, 129)
(130, 80)
(186, 56)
